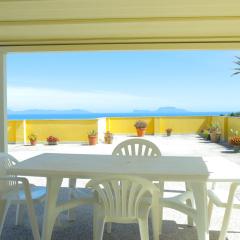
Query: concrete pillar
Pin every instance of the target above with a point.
(24, 132)
(101, 129)
(3, 104)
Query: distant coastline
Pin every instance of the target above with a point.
(65, 116)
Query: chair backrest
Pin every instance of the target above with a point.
(121, 195)
(6, 161)
(137, 147)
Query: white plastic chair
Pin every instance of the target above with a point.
(137, 147)
(145, 148)
(220, 199)
(122, 199)
(17, 190)
(131, 147)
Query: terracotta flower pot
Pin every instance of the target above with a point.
(33, 142)
(92, 140)
(215, 137)
(169, 133)
(141, 132)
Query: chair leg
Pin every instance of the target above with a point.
(71, 212)
(143, 228)
(210, 209)
(109, 227)
(161, 189)
(4, 205)
(99, 228)
(228, 211)
(98, 223)
(19, 214)
(190, 203)
(225, 223)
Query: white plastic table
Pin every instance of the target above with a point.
(55, 167)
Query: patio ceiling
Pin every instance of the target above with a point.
(107, 24)
(156, 24)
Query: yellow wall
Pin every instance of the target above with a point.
(65, 130)
(183, 124)
(126, 125)
(233, 123)
(223, 122)
(15, 131)
(77, 130)
(158, 125)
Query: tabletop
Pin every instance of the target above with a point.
(222, 170)
(172, 168)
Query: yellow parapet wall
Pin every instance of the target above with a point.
(183, 125)
(233, 123)
(15, 131)
(123, 125)
(77, 130)
(158, 125)
(65, 130)
(223, 123)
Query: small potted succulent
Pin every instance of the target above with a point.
(51, 140)
(235, 140)
(169, 131)
(215, 132)
(108, 137)
(33, 139)
(141, 127)
(92, 137)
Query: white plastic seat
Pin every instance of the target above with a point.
(137, 147)
(227, 200)
(122, 199)
(132, 147)
(145, 148)
(17, 190)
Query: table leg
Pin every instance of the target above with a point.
(161, 189)
(72, 186)
(190, 204)
(155, 216)
(200, 194)
(50, 213)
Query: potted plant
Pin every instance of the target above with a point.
(51, 140)
(206, 134)
(33, 139)
(215, 132)
(235, 140)
(108, 137)
(92, 137)
(140, 127)
(169, 131)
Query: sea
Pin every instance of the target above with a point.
(35, 116)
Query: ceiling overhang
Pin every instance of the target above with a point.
(142, 23)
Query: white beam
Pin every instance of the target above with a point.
(3, 104)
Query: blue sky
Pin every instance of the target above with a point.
(123, 81)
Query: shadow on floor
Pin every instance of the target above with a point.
(82, 227)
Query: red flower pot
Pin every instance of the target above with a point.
(33, 142)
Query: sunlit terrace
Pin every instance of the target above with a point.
(174, 225)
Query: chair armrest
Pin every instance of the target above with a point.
(17, 179)
(29, 201)
(25, 184)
